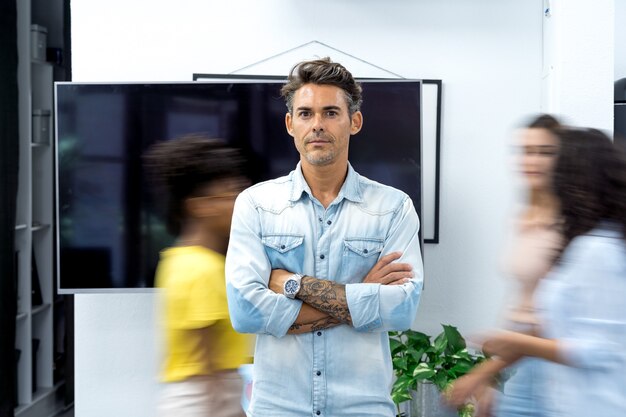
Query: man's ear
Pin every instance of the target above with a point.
(289, 123)
(356, 122)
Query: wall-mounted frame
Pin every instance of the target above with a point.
(431, 159)
(431, 146)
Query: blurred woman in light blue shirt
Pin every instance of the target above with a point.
(581, 304)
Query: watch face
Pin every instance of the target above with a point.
(291, 286)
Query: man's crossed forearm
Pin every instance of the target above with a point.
(327, 297)
(321, 324)
(325, 304)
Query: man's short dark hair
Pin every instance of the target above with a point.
(322, 72)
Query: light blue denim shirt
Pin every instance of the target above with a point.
(344, 370)
(582, 305)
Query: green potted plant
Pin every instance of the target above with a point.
(418, 361)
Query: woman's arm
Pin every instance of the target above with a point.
(512, 345)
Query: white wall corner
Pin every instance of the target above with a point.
(579, 61)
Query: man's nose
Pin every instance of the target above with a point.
(318, 123)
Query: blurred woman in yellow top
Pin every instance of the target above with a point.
(201, 178)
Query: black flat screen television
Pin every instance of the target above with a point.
(109, 230)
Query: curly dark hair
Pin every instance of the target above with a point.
(322, 72)
(184, 166)
(590, 181)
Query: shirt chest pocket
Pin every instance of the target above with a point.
(359, 256)
(285, 251)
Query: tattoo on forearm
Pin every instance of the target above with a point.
(325, 323)
(294, 327)
(326, 296)
(321, 324)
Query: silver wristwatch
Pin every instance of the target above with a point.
(291, 287)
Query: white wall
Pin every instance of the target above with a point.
(116, 355)
(579, 61)
(620, 39)
(488, 54)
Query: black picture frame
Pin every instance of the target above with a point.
(438, 84)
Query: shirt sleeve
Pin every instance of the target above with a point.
(254, 308)
(375, 307)
(592, 303)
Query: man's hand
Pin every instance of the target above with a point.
(388, 272)
(278, 277)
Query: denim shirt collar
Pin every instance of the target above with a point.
(350, 190)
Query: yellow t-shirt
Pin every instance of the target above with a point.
(199, 338)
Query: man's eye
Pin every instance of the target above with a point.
(304, 114)
(331, 113)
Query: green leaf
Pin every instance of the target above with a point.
(463, 354)
(440, 380)
(404, 382)
(437, 362)
(417, 339)
(417, 336)
(400, 362)
(461, 368)
(400, 390)
(440, 343)
(423, 371)
(416, 354)
(395, 346)
(456, 342)
(467, 410)
(400, 396)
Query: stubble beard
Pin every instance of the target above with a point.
(320, 160)
(320, 157)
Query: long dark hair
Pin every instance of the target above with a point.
(543, 121)
(590, 181)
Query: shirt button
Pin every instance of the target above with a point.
(318, 412)
(322, 256)
(329, 222)
(318, 373)
(282, 246)
(319, 333)
(320, 219)
(364, 250)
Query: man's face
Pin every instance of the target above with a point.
(321, 124)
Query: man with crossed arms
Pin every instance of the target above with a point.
(322, 263)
